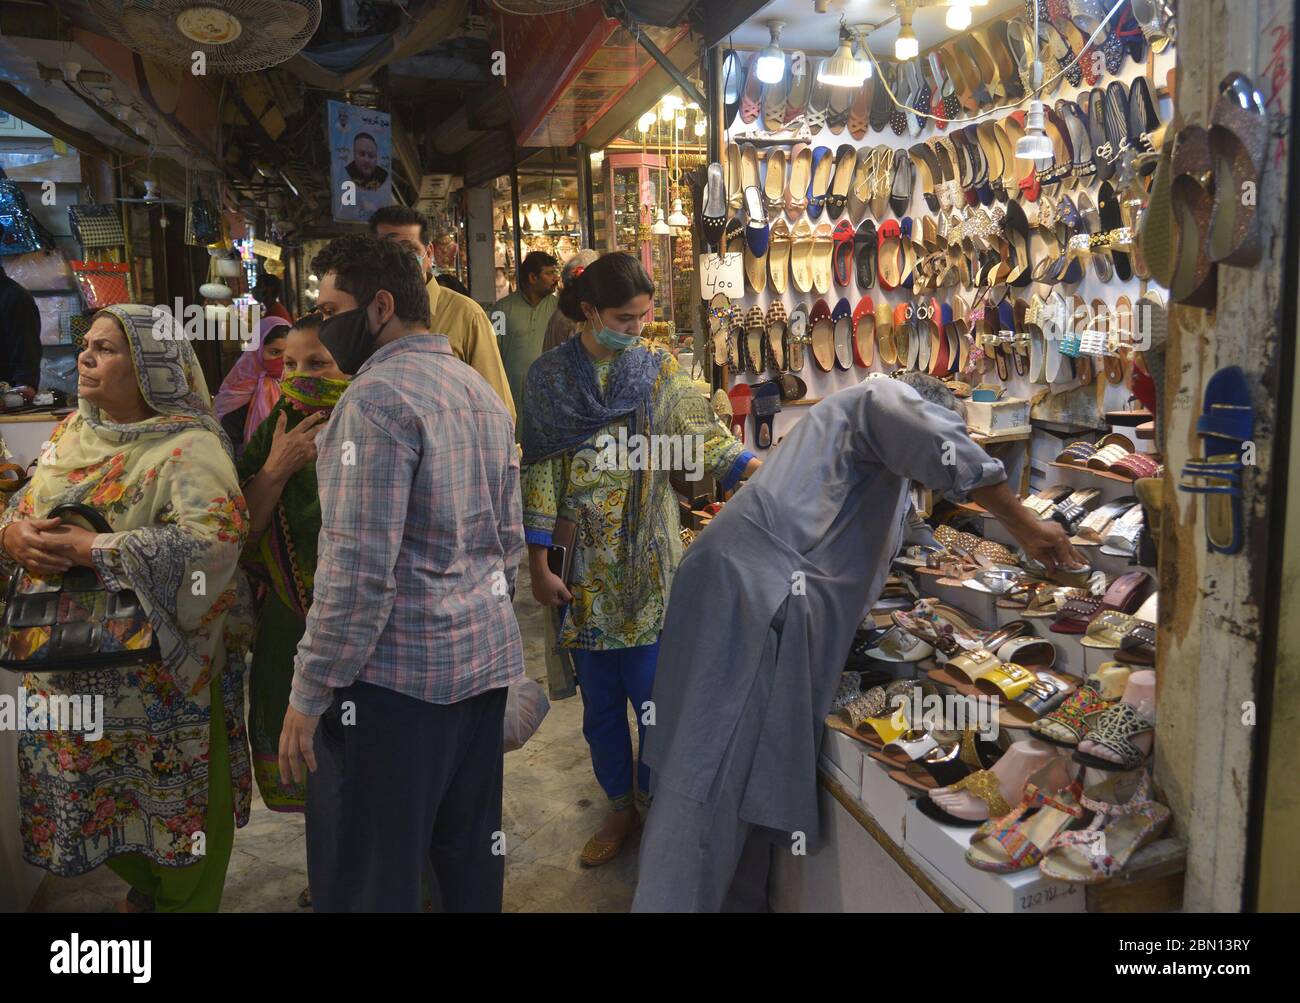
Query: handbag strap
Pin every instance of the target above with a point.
(96, 520)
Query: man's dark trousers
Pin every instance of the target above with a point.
(402, 786)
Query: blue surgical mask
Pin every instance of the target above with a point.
(616, 341)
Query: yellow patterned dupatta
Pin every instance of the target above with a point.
(167, 486)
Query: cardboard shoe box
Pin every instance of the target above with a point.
(942, 848)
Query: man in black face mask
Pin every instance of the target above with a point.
(411, 638)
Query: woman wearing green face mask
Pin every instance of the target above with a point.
(581, 400)
(278, 474)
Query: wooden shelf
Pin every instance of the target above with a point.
(1105, 475)
(996, 437)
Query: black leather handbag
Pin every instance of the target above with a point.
(71, 622)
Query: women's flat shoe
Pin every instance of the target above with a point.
(713, 216)
(864, 254)
(601, 851)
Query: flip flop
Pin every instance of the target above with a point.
(842, 259)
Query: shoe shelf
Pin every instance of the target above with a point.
(1104, 475)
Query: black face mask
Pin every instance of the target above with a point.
(347, 337)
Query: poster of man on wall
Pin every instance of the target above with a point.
(361, 161)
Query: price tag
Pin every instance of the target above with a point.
(722, 273)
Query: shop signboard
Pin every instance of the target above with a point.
(361, 160)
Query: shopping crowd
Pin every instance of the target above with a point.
(356, 504)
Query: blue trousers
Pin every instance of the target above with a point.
(608, 680)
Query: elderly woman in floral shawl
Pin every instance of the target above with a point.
(158, 795)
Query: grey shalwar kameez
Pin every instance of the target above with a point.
(761, 616)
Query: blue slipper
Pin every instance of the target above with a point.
(1226, 424)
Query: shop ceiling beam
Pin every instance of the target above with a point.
(256, 125)
(432, 22)
(721, 17)
(19, 104)
(658, 55)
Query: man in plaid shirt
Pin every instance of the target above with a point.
(411, 638)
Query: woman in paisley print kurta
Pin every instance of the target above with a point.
(158, 794)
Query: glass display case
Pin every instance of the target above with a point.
(636, 187)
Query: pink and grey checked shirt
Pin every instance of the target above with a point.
(421, 534)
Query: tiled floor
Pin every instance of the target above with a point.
(552, 804)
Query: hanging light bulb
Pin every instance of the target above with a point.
(1034, 144)
(661, 228)
(666, 112)
(678, 218)
(700, 126)
(959, 17)
(905, 45)
(841, 70)
(680, 122)
(646, 120)
(770, 66)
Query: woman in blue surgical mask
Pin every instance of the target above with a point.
(607, 418)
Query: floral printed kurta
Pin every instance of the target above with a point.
(180, 523)
(582, 487)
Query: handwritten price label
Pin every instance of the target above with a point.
(722, 274)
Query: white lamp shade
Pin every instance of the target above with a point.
(771, 65)
(678, 218)
(841, 70)
(661, 228)
(1034, 146)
